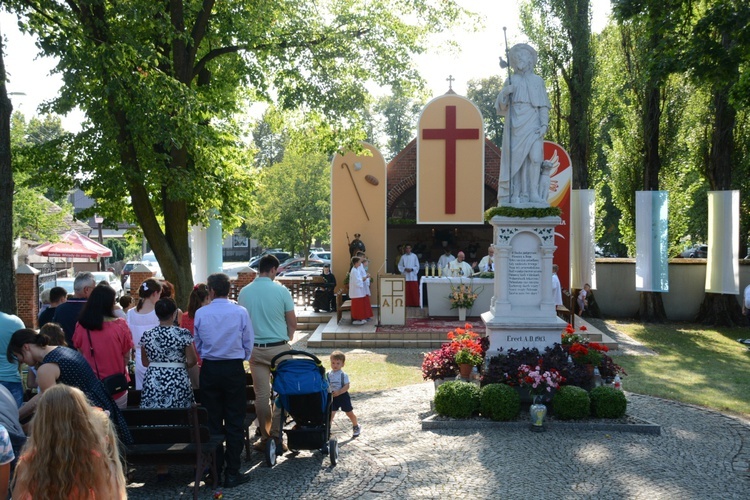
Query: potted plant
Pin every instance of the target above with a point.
(467, 348)
(440, 364)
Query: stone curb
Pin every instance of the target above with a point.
(433, 422)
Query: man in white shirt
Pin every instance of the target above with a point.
(556, 288)
(445, 259)
(409, 267)
(459, 267)
(488, 261)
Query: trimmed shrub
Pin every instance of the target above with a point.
(607, 402)
(457, 399)
(499, 402)
(571, 403)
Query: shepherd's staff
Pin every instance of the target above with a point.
(506, 64)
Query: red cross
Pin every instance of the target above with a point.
(450, 134)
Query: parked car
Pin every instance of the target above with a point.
(111, 279)
(126, 270)
(297, 264)
(697, 252)
(281, 255)
(320, 255)
(149, 259)
(66, 283)
(304, 272)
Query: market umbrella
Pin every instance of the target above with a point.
(74, 244)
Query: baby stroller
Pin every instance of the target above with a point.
(302, 387)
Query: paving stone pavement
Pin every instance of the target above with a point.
(701, 454)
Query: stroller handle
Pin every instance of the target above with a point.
(294, 353)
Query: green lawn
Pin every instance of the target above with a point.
(694, 364)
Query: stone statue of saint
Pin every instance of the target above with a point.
(524, 103)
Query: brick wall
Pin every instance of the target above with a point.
(402, 171)
(27, 295)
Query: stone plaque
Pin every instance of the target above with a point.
(392, 300)
(524, 270)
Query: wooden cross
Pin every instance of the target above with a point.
(450, 134)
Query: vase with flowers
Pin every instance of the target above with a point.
(539, 382)
(462, 297)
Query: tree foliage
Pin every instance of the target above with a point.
(163, 82)
(399, 111)
(293, 197)
(39, 211)
(561, 30)
(483, 93)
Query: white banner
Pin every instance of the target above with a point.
(651, 241)
(723, 268)
(582, 253)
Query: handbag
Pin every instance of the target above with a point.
(114, 383)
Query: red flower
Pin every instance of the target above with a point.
(582, 328)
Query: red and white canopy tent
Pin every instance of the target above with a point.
(74, 245)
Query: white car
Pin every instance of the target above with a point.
(149, 259)
(110, 278)
(321, 255)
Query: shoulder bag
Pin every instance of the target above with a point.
(114, 383)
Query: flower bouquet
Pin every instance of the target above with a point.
(570, 337)
(462, 296)
(467, 346)
(539, 381)
(587, 353)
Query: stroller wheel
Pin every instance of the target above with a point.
(333, 451)
(271, 452)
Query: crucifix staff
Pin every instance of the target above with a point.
(508, 128)
(355, 188)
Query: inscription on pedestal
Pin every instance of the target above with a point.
(524, 273)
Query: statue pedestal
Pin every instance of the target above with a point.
(522, 312)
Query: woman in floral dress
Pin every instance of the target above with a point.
(167, 352)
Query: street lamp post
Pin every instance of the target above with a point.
(99, 221)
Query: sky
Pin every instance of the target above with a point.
(32, 80)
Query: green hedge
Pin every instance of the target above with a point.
(457, 399)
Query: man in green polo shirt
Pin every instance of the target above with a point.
(271, 310)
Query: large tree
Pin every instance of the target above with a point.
(7, 269)
(719, 47)
(294, 197)
(162, 82)
(561, 29)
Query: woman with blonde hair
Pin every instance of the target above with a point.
(72, 451)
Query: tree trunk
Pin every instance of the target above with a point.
(651, 304)
(720, 309)
(580, 90)
(652, 308)
(8, 303)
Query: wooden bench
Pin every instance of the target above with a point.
(341, 305)
(564, 313)
(173, 436)
(134, 401)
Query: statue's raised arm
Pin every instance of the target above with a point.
(525, 105)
